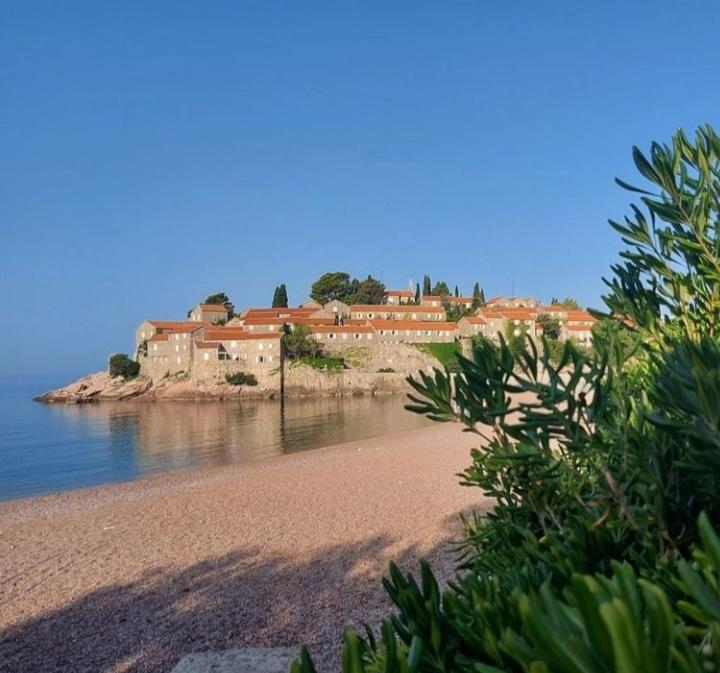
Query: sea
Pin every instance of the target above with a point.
(51, 448)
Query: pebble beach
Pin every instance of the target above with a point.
(280, 552)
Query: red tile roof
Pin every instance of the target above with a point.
(578, 328)
(213, 308)
(173, 324)
(413, 325)
(399, 293)
(579, 314)
(204, 344)
(384, 308)
(341, 329)
(159, 337)
(475, 320)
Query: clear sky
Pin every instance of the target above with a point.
(152, 153)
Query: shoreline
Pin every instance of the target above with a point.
(279, 551)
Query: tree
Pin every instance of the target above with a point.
(280, 298)
(299, 343)
(550, 326)
(241, 379)
(457, 292)
(368, 291)
(121, 365)
(568, 303)
(332, 285)
(221, 299)
(441, 288)
(417, 293)
(426, 285)
(601, 552)
(478, 297)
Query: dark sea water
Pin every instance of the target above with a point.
(49, 448)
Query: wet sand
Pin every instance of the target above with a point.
(280, 552)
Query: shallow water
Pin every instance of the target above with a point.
(48, 448)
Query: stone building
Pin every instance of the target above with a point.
(385, 312)
(213, 314)
(414, 330)
(328, 335)
(397, 297)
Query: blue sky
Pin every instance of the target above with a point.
(153, 153)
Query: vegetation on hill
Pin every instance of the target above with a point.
(444, 352)
(121, 365)
(600, 553)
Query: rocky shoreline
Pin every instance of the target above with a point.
(299, 382)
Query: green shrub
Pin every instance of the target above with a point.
(121, 365)
(241, 379)
(298, 343)
(599, 554)
(445, 352)
(386, 370)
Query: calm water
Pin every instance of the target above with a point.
(48, 448)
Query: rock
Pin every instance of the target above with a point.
(247, 660)
(99, 386)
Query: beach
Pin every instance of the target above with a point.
(282, 551)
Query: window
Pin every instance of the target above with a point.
(261, 347)
(154, 347)
(206, 356)
(344, 335)
(177, 349)
(369, 336)
(269, 358)
(331, 336)
(233, 344)
(260, 359)
(179, 359)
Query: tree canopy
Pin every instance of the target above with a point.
(368, 291)
(331, 285)
(280, 297)
(426, 289)
(441, 288)
(568, 303)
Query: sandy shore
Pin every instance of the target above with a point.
(276, 553)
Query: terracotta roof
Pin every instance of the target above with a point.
(213, 308)
(474, 320)
(341, 329)
(158, 337)
(355, 321)
(267, 320)
(204, 344)
(413, 325)
(187, 328)
(399, 293)
(579, 314)
(172, 324)
(578, 328)
(234, 334)
(384, 308)
(278, 311)
(311, 321)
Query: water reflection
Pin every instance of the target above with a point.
(92, 444)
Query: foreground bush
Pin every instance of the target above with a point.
(600, 553)
(241, 379)
(121, 365)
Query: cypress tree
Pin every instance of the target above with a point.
(457, 292)
(426, 285)
(417, 293)
(476, 291)
(282, 297)
(275, 297)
